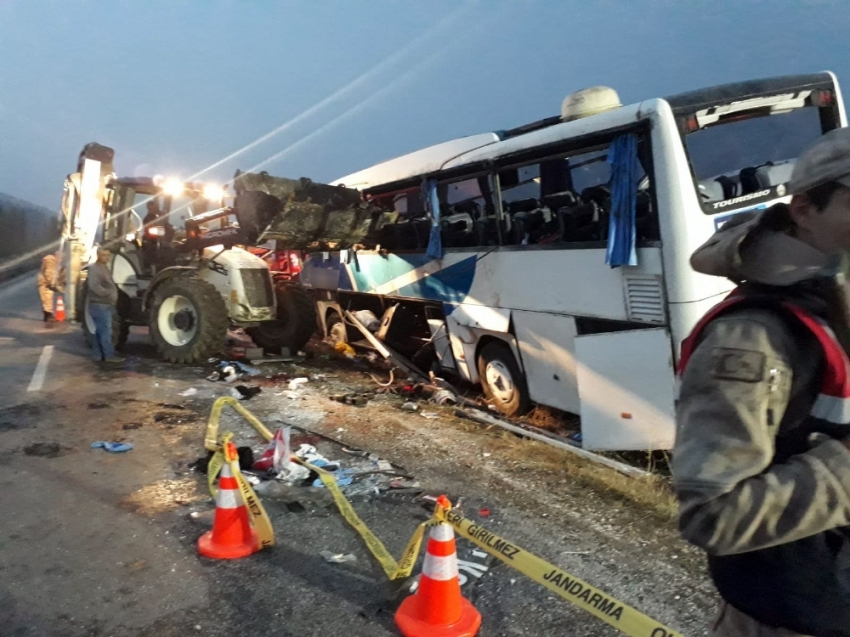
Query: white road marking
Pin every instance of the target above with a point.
(40, 372)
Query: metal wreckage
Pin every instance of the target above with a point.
(304, 215)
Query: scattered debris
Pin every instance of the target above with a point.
(243, 392)
(544, 436)
(276, 455)
(444, 396)
(45, 449)
(484, 512)
(358, 400)
(338, 558)
(410, 406)
(260, 361)
(112, 447)
(345, 349)
(430, 415)
(295, 383)
(368, 319)
(188, 392)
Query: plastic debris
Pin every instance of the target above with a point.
(293, 473)
(188, 392)
(443, 397)
(242, 392)
(368, 319)
(430, 415)
(345, 349)
(112, 447)
(296, 383)
(484, 512)
(246, 369)
(276, 456)
(410, 406)
(341, 477)
(338, 558)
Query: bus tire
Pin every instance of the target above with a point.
(501, 379)
(295, 323)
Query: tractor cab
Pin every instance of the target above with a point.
(146, 219)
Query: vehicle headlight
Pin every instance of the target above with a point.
(173, 187)
(213, 192)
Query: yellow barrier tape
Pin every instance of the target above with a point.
(211, 437)
(394, 570)
(213, 469)
(621, 616)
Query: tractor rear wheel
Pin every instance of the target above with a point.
(188, 320)
(295, 323)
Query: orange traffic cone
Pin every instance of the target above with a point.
(437, 609)
(232, 535)
(59, 315)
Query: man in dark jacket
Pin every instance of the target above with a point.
(102, 297)
(761, 463)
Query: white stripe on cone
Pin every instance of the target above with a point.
(442, 532)
(228, 498)
(440, 568)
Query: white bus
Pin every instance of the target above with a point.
(550, 263)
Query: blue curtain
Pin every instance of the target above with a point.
(625, 174)
(432, 203)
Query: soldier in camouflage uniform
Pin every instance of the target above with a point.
(49, 283)
(761, 463)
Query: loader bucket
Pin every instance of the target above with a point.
(304, 214)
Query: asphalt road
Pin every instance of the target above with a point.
(101, 544)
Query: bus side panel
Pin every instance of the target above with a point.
(559, 281)
(547, 346)
(626, 386)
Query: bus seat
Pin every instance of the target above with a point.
(710, 190)
(600, 195)
(769, 176)
(582, 223)
(749, 182)
(457, 230)
(522, 205)
(558, 200)
(486, 231)
(730, 186)
(646, 222)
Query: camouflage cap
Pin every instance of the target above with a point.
(827, 160)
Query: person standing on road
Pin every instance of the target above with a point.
(761, 464)
(102, 297)
(49, 283)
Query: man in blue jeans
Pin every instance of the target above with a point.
(102, 297)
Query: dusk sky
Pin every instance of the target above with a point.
(176, 86)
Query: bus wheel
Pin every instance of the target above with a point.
(501, 379)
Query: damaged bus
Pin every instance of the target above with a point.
(550, 263)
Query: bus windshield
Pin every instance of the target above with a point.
(750, 155)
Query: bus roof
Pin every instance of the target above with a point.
(488, 146)
(426, 160)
